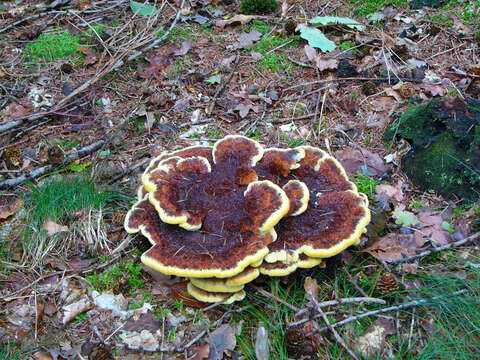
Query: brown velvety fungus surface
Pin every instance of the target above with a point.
(194, 253)
(227, 200)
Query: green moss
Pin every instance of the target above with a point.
(258, 7)
(366, 185)
(255, 135)
(258, 25)
(51, 47)
(445, 139)
(365, 7)
(273, 61)
(110, 279)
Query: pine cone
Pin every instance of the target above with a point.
(387, 283)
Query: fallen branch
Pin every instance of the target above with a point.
(115, 65)
(438, 249)
(387, 309)
(86, 150)
(333, 303)
(222, 86)
(337, 336)
(324, 81)
(273, 297)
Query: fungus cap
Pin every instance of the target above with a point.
(213, 297)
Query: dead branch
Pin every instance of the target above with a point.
(337, 336)
(222, 86)
(438, 249)
(273, 297)
(113, 65)
(86, 150)
(333, 303)
(387, 309)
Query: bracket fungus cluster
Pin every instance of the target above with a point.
(221, 216)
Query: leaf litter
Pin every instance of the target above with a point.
(172, 86)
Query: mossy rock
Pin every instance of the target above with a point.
(445, 139)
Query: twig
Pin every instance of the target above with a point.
(129, 171)
(277, 299)
(222, 87)
(339, 302)
(300, 63)
(323, 81)
(60, 272)
(440, 248)
(329, 326)
(387, 309)
(45, 169)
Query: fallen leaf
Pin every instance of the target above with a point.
(262, 348)
(141, 9)
(310, 52)
(9, 205)
(245, 107)
(12, 111)
(143, 340)
(179, 292)
(72, 310)
(247, 39)
(325, 63)
(405, 218)
(311, 287)
(431, 230)
(302, 342)
(386, 192)
(393, 247)
(374, 342)
(158, 61)
(236, 20)
(185, 46)
(335, 20)
(220, 340)
(357, 160)
(53, 228)
(317, 39)
(201, 352)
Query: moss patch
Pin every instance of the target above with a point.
(51, 47)
(445, 138)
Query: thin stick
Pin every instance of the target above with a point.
(222, 86)
(440, 248)
(344, 301)
(329, 326)
(323, 81)
(86, 150)
(277, 299)
(384, 310)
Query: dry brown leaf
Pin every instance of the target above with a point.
(310, 52)
(311, 287)
(383, 103)
(357, 160)
(201, 352)
(54, 228)
(40, 355)
(220, 340)
(432, 230)
(325, 63)
(393, 247)
(374, 342)
(394, 193)
(236, 20)
(9, 205)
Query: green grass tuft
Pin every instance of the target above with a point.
(51, 47)
(59, 197)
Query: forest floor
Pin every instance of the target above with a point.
(86, 101)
